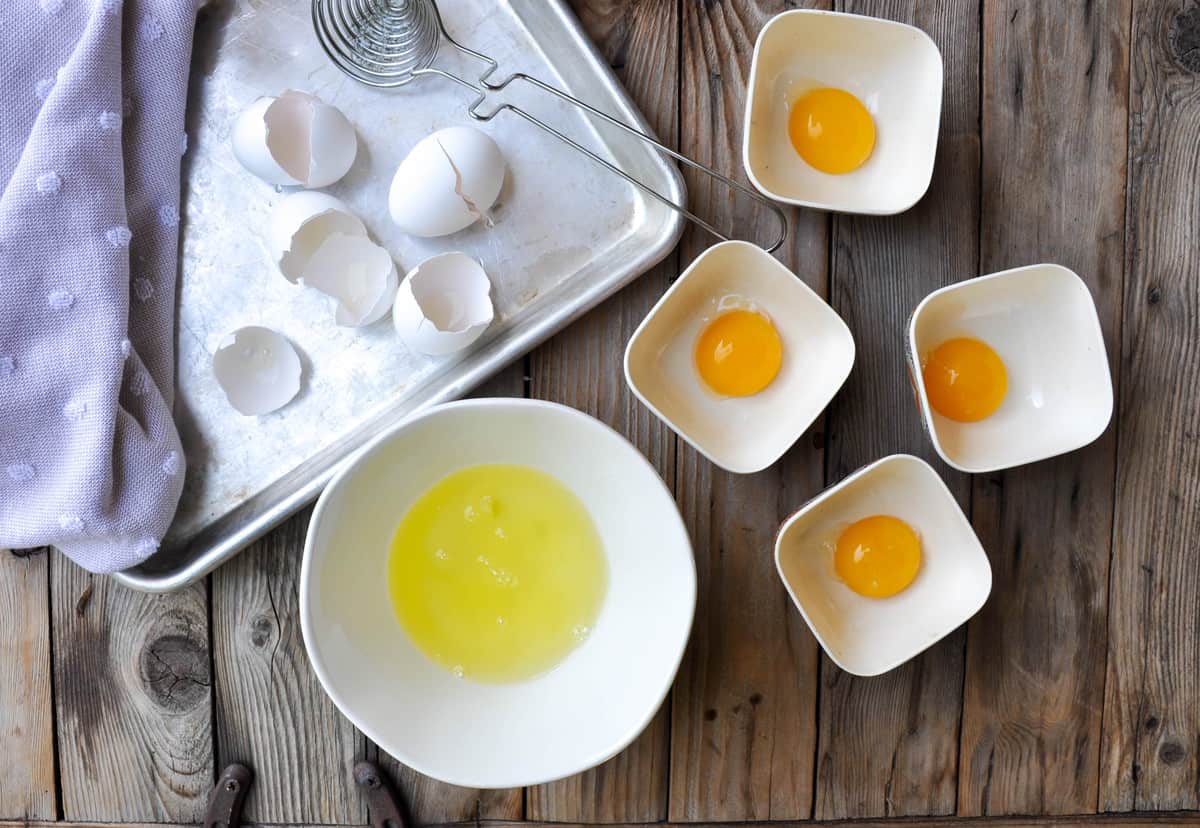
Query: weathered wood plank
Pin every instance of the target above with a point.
(1151, 749)
(271, 712)
(428, 800)
(581, 367)
(1054, 147)
(1086, 821)
(742, 724)
(132, 694)
(888, 746)
(26, 712)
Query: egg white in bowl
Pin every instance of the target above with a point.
(585, 710)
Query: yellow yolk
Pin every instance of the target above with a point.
(832, 130)
(965, 380)
(877, 556)
(739, 353)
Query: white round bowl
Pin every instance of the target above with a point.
(477, 735)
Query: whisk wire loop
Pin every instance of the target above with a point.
(389, 43)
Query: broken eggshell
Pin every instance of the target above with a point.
(293, 139)
(443, 305)
(448, 181)
(258, 369)
(317, 241)
(301, 222)
(356, 272)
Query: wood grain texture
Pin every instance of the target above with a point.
(1054, 144)
(132, 694)
(1086, 821)
(888, 745)
(428, 800)
(26, 711)
(271, 712)
(743, 725)
(581, 367)
(1151, 749)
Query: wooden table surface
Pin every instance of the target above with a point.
(1070, 133)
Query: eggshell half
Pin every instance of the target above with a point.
(258, 369)
(301, 222)
(293, 139)
(448, 181)
(356, 272)
(443, 305)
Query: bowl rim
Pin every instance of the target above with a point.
(347, 470)
(914, 361)
(751, 93)
(751, 468)
(825, 494)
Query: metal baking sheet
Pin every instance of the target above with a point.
(567, 234)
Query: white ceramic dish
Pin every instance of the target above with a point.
(1042, 322)
(893, 68)
(740, 434)
(577, 715)
(869, 636)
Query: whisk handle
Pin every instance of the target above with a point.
(491, 86)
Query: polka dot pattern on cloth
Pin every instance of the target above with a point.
(70, 523)
(74, 410)
(43, 88)
(168, 216)
(8, 366)
(48, 183)
(170, 464)
(142, 289)
(109, 120)
(20, 472)
(52, 6)
(150, 28)
(60, 300)
(119, 236)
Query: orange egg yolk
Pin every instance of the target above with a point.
(832, 130)
(965, 380)
(878, 556)
(739, 353)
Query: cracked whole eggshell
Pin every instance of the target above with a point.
(318, 242)
(448, 181)
(258, 369)
(293, 139)
(443, 305)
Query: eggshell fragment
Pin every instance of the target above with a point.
(356, 272)
(448, 181)
(443, 304)
(295, 138)
(258, 369)
(301, 222)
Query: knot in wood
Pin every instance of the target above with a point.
(174, 666)
(1184, 37)
(262, 630)
(1171, 753)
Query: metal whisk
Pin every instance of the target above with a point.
(390, 43)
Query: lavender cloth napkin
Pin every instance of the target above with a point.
(92, 95)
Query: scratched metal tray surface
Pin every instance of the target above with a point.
(566, 234)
